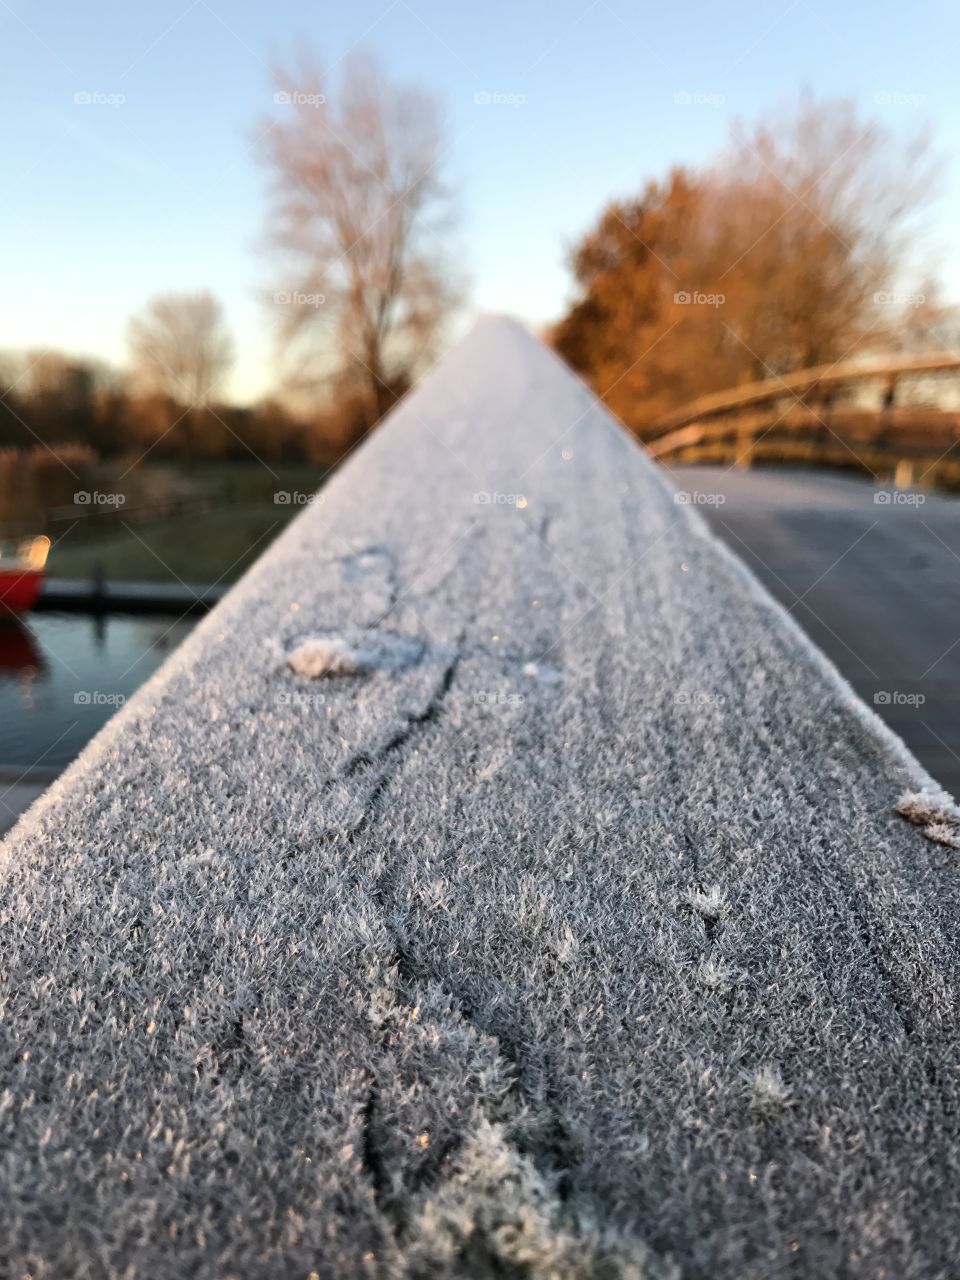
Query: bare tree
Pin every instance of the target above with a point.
(181, 348)
(813, 217)
(358, 209)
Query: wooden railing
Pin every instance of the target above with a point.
(462, 881)
(808, 417)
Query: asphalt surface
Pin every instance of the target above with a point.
(872, 576)
(14, 799)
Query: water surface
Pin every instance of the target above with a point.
(62, 675)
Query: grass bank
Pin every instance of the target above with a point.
(207, 546)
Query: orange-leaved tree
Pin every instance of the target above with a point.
(791, 250)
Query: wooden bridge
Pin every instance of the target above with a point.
(818, 416)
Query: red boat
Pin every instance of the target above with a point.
(22, 571)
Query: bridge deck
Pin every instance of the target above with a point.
(876, 584)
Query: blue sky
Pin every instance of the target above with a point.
(105, 203)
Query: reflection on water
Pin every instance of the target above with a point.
(62, 675)
(19, 651)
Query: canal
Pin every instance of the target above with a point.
(62, 675)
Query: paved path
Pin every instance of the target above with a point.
(15, 798)
(871, 575)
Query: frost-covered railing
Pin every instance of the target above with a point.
(495, 883)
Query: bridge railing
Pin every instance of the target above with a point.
(804, 418)
(491, 884)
